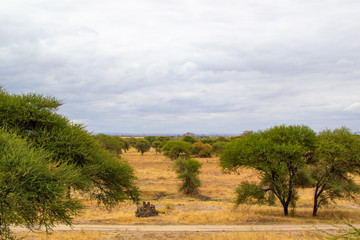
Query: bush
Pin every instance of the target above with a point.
(218, 147)
(188, 171)
(202, 150)
(177, 149)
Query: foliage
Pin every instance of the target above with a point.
(222, 139)
(188, 139)
(336, 160)
(151, 139)
(202, 150)
(177, 149)
(111, 143)
(157, 146)
(33, 190)
(126, 144)
(188, 170)
(218, 147)
(252, 193)
(210, 141)
(277, 154)
(33, 117)
(142, 146)
(132, 141)
(163, 138)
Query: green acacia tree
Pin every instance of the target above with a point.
(277, 154)
(33, 189)
(336, 161)
(157, 145)
(177, 149)
(151, 139)
(188, 171)
(33, 117)
(142, 146)
(111, 143)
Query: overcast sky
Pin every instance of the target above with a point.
(172, 66)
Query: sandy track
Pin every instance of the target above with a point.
(194, 228)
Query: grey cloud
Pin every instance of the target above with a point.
(128, 66)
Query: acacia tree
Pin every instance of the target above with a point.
(111, 143)
(33, 117)
(277, 154)
(33, 190)
(336, 160)
(142, 146)
(177, 149)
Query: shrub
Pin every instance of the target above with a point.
(177, 149)
(202, 150)
(188, 171)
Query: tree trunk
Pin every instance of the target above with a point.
(316, 204)
(286, 209)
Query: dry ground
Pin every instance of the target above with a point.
(159, 185)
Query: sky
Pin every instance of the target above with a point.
(176, 66)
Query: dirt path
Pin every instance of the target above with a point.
(194, 228)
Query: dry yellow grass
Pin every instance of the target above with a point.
(159, 185)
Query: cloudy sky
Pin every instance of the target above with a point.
(172, 66)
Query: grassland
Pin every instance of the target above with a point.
(159, 185)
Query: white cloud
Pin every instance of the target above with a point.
(200, 65)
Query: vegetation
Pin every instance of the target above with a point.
(157, 145)
(189, 139)
(277, 154)
(336, 161)
(177, 149)
(142, 146)
(111, 143)
(33, 118)
(202, 149)
(32, 189)
(150, 139)
(188, 170)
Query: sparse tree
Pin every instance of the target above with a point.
(142, 146)
(278, 154)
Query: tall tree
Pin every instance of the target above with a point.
(336, 161)
(33, 117)
(277, 154)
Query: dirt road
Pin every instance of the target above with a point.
(194, 228)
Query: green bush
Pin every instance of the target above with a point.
(33, 190)
(177, 149)
(142, 146)
(188, 170)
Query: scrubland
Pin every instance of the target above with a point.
(159, 185)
